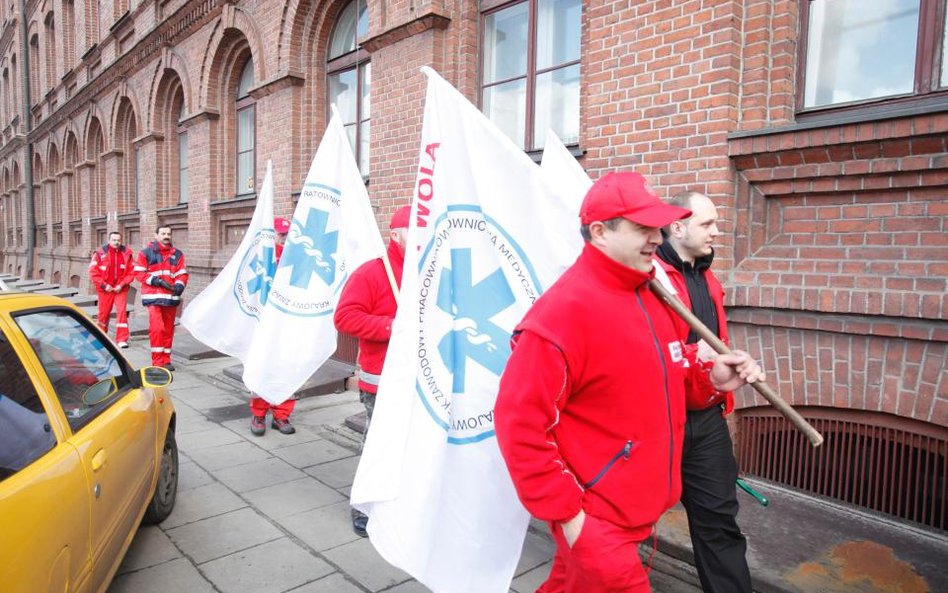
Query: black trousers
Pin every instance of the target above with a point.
(709, 495)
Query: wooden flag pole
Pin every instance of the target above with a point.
(815, 438)
(391, 276)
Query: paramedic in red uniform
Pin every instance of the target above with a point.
(259, 406)
(366, 310)
(111, 273)
(160, 269)
(591, 408)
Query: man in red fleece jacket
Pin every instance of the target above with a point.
(591, 408)
(366, 310)
(111, 273)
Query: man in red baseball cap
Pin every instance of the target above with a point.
(259, 406)
(591, 406)
(366, 310)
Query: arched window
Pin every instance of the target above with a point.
(182, 150)
(350, 78)
(246, 132)
(127, 131)
(39, 196)
(94, 147)
(54, 197)
(69, 190)
(69, 37)
(14, 92)
(34, 69)
(50, 25)
(6, 110)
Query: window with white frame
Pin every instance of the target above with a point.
(858, 51)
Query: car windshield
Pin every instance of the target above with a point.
(75, 359)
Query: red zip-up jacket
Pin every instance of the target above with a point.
(700, 398)
(113, 267)
(590, 411)
(157, 261)
(366, 310)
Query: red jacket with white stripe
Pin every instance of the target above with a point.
(156, 262)
(112, 267)
(366, 310)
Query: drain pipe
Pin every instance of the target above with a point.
(28, 149)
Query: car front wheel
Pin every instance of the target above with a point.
(166, 489)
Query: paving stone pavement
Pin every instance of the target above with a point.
(270, 514)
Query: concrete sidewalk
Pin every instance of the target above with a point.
(270, 514)
(267, 514)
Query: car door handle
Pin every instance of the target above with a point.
(98, 460)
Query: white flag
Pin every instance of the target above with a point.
(440, 501)
(226, 313)
(563, 171)
(333, 232)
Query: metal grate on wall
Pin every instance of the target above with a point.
(877, 461)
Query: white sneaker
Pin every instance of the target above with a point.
(123, 344)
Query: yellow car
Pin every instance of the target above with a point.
(87, 449)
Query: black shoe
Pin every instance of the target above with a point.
(258, 425)
(359, 522)
(168, 366)
(283, 426)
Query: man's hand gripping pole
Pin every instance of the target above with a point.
(815, 438)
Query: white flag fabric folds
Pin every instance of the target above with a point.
(333, 231)
(226, 313)
(482, 246)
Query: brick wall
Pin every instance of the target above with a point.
(834, 251)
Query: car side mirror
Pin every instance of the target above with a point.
(154, 377)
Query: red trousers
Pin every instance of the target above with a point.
(119, 300)
(259, 407)
(161, 333)
(603, 559)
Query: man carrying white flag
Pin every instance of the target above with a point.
(226, 313)
(440, 502)
(332, 232)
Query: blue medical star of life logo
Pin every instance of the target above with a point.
(262, 267)
(472, 305)
(312, 271)
(255, 274)
(475, 284)
(313, 250)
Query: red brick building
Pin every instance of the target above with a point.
(819, 127)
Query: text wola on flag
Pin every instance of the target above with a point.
(440, 502)
(225, 315)
(332, 232)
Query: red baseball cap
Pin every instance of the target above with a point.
(628, 195)
(401, 218)
(281, 225)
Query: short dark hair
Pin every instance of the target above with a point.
(682, 200)
(114, 233)
(162, 226)
(611, 224)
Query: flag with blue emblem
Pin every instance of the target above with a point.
(332, 232)
(486, 238)
(225, 315)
